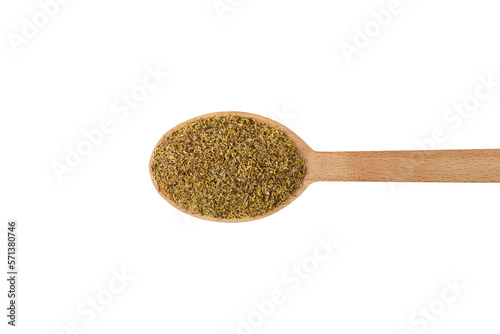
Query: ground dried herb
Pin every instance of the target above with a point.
(227, 167)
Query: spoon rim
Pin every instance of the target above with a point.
(302, 148)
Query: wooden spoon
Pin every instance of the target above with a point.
(480, 166)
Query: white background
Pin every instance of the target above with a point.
(399, 243)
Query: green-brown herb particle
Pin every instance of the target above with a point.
(227, 167)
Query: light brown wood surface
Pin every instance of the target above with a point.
(406, 166)
(480, 166)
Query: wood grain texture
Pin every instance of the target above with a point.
(406, 166)
(374, 166)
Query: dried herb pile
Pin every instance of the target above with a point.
(227, 167)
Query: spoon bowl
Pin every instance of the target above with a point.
(302, 148)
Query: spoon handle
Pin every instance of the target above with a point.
(406, 166)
